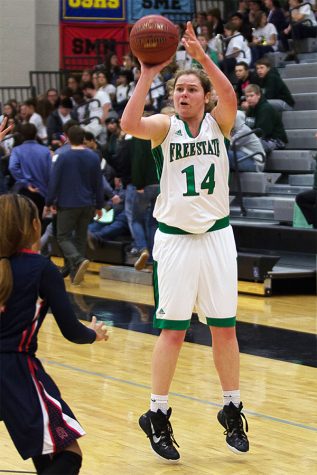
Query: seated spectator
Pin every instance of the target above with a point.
(144, 178)
(276, 15)
(307, 202)
(273, 87)
(255, 6)
(86, 76)
(203, 40)
(124, 89)
(52, 97)
(242, 25)
(72, 83)
(8, 111)
(261, 115)
(103, 83)
(28, 109)
(56, 120)
(112, 67)
(96, 109)
(264, 37)
(30, 165)
(246, 146)
(303, 24)
(101, 232)
(237, 49)
(244, 77)
(214, 22)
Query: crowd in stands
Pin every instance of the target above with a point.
(92, 102)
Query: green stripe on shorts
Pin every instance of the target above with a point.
(170, 324)
(221, 322)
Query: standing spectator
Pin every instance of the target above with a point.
(76, 191)
(97, 108)
(56, 120)
(30, 165)
(33, 117)
(261, 115)
(264, 37)
(272, 85)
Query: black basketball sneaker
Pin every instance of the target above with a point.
(231, 418)
(159, 430)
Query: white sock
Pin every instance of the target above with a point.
(159, 402)
(231, 396)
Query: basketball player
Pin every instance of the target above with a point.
(194, 250)
(40, 423)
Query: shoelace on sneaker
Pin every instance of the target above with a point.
(235, 426)
(168, 436)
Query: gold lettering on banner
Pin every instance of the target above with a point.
(94, 3)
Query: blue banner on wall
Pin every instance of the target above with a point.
(170, 8)
(93, 10)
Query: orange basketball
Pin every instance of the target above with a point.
(153, 39)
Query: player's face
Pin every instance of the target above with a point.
(189, 96)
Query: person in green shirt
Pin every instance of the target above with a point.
(203, 40)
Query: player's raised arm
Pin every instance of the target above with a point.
(148, 128)
(226, 109)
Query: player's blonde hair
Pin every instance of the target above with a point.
(17, 213)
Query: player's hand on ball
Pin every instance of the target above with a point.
(100, 329)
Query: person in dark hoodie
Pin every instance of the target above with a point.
(272, 85)
(260, 114)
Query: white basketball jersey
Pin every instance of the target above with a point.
(193, 173)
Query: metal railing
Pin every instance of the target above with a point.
(236, 166)
(41, 81)
(19, 93)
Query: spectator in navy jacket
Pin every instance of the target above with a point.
(30, 165)
(76, 192)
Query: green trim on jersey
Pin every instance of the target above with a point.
(221, 322)
(155, 285)
(170, 324)
(187, 128)
(219, 224)
(158, 156)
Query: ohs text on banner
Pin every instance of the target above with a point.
(93, 10)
